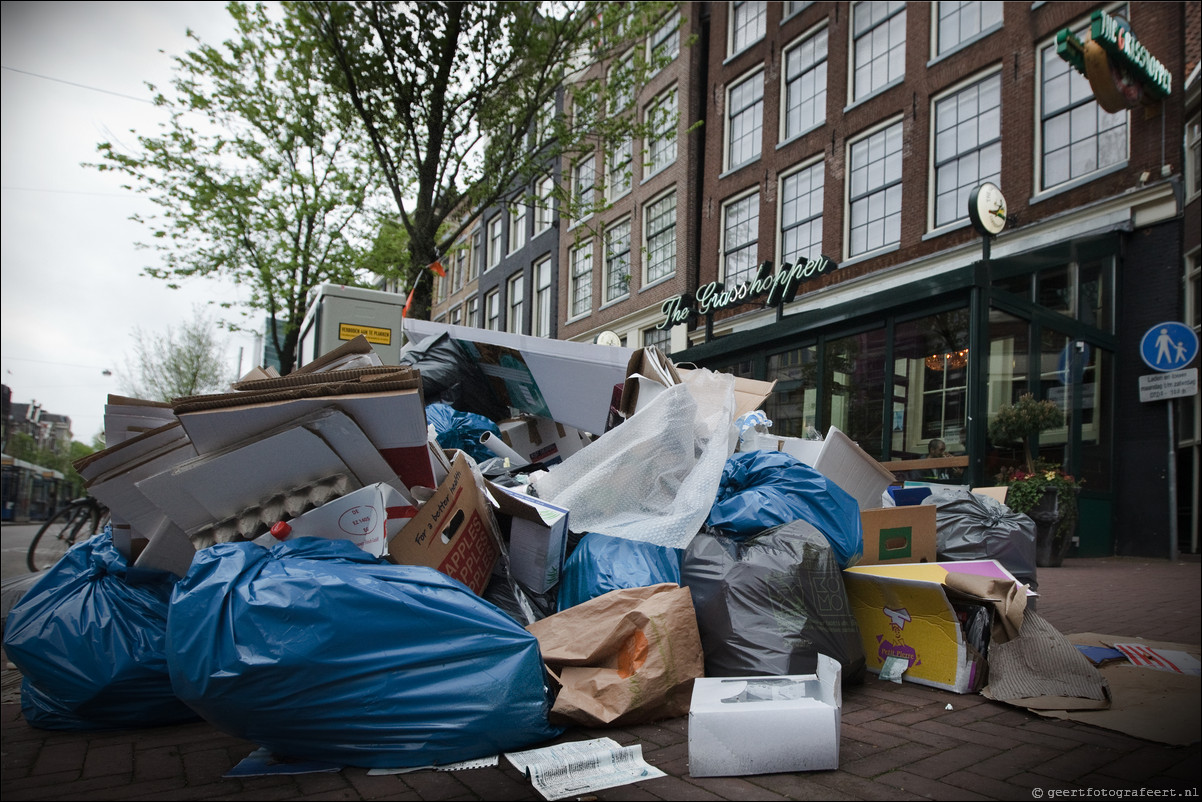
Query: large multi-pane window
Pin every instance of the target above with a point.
(516, 299)
(584, 176)
(496, 235)
(664, 42)
(621, 84)
(659, 224)
(660, 338)
(517, 225)
(853, 388)
(617, 260)
(801, 213)
(542, 298)
(740, 239)
(930, 383)
(805, 84)
(582, 280)
(544, 204)
(662, 115)
(619, 169)
(745, 121)
(492, 310)
(793, 405)
(962, 21)
(878, 46)
(968, 145)
(1077, 137)
(748, 22)
(875, 190)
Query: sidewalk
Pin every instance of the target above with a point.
(898, 742)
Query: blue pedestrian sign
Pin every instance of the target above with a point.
(1169, 346)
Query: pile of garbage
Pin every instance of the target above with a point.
(461, 555)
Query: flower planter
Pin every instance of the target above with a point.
(1053, 534)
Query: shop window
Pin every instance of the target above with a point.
(582, 280)
(793, 405)
(660, 225)
(930, 384)
(801, 213)
(968, 146)
(805, 85)
(745, 121)
(1008, 371)
(878, 46)
(740, 239)
(748, 22)
(853, 388)
(617, 261)
(1077, 137)
(960, 22)
(875, 190)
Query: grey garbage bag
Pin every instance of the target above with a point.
(768, 605)
(970, 526)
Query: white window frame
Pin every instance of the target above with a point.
(818, 68)
(748, 24)
(818, 164)
(580, 284)
(653, 231)
(496, 241)
(515, 303)
(617, 257)
(459, 267)
(881, 189)
(664, 42)
(584, 187)
(1193, 157)
(517, 225)
(959, 165)
(1080, 108)
(889, 16)
(750, 114)
(732, 247)
(661, 145)
(541, 325)
(621, 102)
(973, 19)
(544, 204)
(492, 310)
(473, 312)
(619, 170)
(473, 266)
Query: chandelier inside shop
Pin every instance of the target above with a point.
(951, 360)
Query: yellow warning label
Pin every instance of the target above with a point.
(374, 334)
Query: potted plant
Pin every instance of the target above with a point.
(1040, 489)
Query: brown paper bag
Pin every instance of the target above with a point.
(627, 657)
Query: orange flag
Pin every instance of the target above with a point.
(408, 302)
(437, 267)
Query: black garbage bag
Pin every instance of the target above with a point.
(449, 376)
(770, 604)
(970, 526)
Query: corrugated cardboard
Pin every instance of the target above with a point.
(538, 439)
(455, 531)
(538, 535)
(898, 535)
(759, 725)
(368, 517)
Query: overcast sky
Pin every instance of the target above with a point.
(73, 76)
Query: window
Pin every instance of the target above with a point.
(740, 239)
(661, 118)
(619, 172)
(930, 383)
(878, 46)
(514, 320)
(745, 121)
(660, 338)
(960, 22)
(793, 405)
(792, 7)
(542, 298)
(584, 174)
(544, 207)
(459, 268)
(582, 280)
(543, 121)
(621, 84)
(1193, 157)
(617, 261)
(495, 235)
(748, 21)
(805, 85)
(968, 146)
(659, 223)
(1077, 137)
(473, 311)
(801, 214)
(664, 42)
(517, 225)
(492, 310)
(473, 265)
(875, 190)
(455, 316)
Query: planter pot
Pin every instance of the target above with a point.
(1052, 538)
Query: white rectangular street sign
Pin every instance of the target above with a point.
(1163, 386)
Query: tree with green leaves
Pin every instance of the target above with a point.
(258, 175)
(185, 360)
(454, 99)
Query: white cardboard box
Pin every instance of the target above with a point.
(368, 517)
(538, 535)
(761, 725)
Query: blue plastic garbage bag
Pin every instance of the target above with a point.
(90, 640)
(461, 430)
(764, 489)
(314, 649)
(601, 563)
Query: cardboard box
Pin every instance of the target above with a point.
(898, 535)
(455, 531)
(908, 611)
(538, 535)
(760, 725)
(369, 517)
(537, 439)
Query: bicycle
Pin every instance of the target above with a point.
(81, 519)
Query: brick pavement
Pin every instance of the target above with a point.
(898, 742)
